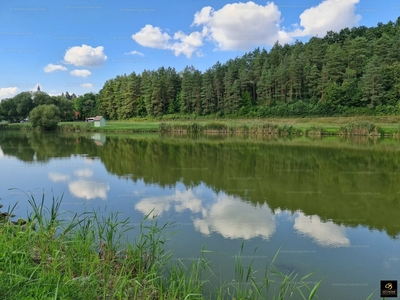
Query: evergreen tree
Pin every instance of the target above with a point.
(107, 100)
(146, 90)
(295, 74)
(115, 107)
(282, 80)
(351, 95)
(229, 92)
(234, 97)
(382, 48)
(391, 83)
(371, 83)
(335, 63)
(264, 87)
(196, 92)
(357, 51)
(218, 85)
(190, 87)
(260, 57)
(323, 82)
(208, 100)
(131, 95)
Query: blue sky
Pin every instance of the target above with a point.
(76, 46)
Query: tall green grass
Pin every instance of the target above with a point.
(361, 129)
(273, 284)
(61, 255)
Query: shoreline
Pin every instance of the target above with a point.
(340, 126)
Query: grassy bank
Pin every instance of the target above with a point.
(341, 126)
(87, 257)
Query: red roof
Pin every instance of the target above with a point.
(97, 118)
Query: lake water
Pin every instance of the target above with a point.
(329, 205)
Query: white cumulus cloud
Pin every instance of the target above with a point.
(203, 16)
(81, 73)
(87, 85)
(241, 26)
(51, 68)
(85, 56)
(328, 15)
(135, 53)
(180, 43)
(151, 37)
(8, 92)
(188, 43)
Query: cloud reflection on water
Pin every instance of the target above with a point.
(159, 204)
(58, 177)
(84, 173)
(82, 187)
(88, 189)
(229, 216)
(233, 218)
(325, 234)
(1, 153)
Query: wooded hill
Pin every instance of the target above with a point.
(353, 72)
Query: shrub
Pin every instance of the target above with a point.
(45, 117)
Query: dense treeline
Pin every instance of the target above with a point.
(353, 72)
(18, 108)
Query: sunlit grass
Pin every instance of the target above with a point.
(112, 126)
(289, 126)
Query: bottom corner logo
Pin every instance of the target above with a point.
(389, 288)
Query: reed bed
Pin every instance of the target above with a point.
(353, 129)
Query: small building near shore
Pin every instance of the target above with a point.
(99, 121)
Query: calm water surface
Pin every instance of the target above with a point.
(328, 205)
